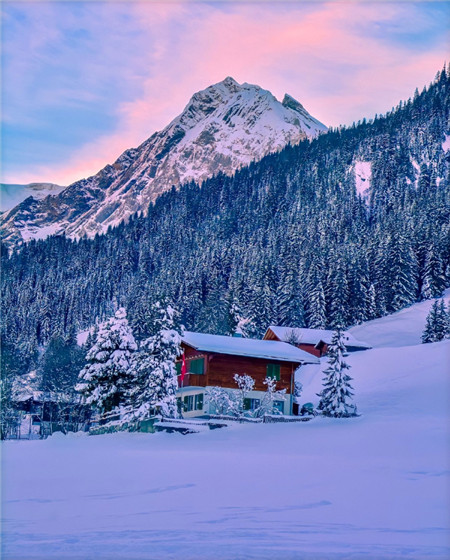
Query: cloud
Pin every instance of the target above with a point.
(343, 61)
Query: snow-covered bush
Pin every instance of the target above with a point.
(271, 395)
(155, 372)
(106, 380)
(222, 402)
(232, 403)
(245, 385)
(337, 391)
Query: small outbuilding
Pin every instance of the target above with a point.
(313, 341)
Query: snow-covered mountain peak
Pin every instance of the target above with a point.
(223, 127)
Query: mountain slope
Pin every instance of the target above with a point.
(285, 241)
(222, 128)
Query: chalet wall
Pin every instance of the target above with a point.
(221, 369)
(310, 348)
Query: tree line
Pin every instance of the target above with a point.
(284, 241)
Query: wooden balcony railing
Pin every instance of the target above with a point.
(192, 380)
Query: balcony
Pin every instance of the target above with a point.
(192, 380)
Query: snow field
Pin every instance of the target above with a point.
(372, 487)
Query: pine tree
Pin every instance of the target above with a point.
(337, 391)
(433, 281)
(105, 381)
(156, 382)
(61, 364)
(437, 325)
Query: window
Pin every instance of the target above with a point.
(251, 404)
(199, 401)
(196, 366)
(193, 402)
(188, 403)
(273, 370)
(279, 405)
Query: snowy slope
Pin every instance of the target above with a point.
(363, 176)
(11, 195)
(222, 128)
(403, 328)
(373, 487)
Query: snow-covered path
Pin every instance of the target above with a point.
(373, 487)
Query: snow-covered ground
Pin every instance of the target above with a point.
(363, 176)
(373, 487)
(403, 328)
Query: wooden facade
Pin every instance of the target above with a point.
(219, 370)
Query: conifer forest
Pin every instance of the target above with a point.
(286, 241)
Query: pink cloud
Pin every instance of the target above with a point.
(321, 56)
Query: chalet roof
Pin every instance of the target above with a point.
(267, 349)
(314, 336)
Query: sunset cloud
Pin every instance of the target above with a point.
(96, 79)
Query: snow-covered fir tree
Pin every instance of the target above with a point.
(107, 377)
(437, 325)
(155, 372)
(433, 281)
(337, 391)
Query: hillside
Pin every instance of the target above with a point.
(373, 487)
(285, 241)
(403, 328)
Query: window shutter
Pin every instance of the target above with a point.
(273, 370)
(196, 366)
(178, 367)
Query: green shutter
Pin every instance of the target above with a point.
(196, 366)
(178, 366)
(247, 404)
(273, 370)
(185, 404)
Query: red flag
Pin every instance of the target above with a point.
(183, 369)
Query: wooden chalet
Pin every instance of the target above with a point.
(313, 341)
(213, 360)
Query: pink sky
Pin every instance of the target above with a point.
(342, 60)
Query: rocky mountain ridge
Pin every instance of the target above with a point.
(222, 128)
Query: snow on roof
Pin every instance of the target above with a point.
(314, 336)
(238, 346)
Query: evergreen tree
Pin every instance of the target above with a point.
(8, 413)
(433, 281)
(317, 312)
(337, 391)
(61, 364)
(106, 380)
(338, 315)
(437, 325)
(155, 374)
